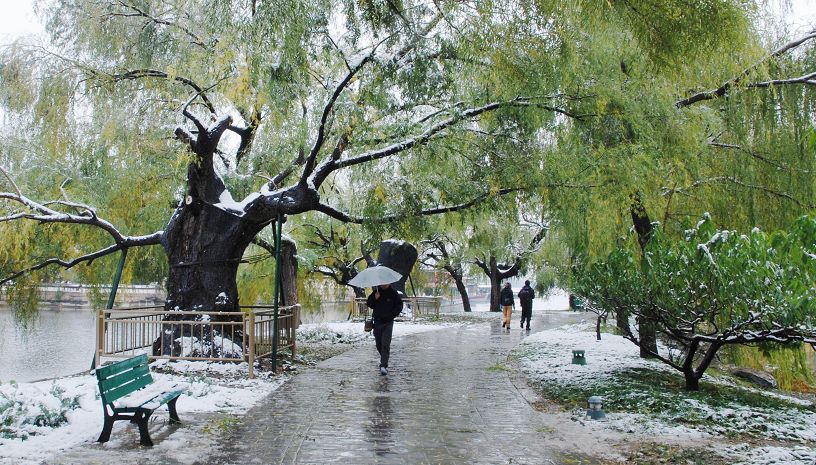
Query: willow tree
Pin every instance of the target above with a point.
(276, 109)
(716, 121)
(441, 252)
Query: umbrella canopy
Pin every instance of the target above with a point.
(374, 276)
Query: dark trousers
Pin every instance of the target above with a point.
(382, 336)
(526, 313)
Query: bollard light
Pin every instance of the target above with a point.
(594, 406)
(578, 357)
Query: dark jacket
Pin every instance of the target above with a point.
(526, 296)
(387, 307)
(506, 297)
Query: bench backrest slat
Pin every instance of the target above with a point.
(121, 378)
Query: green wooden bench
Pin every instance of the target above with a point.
(123, 397)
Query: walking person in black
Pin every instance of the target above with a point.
(526, 296)
(387, 305)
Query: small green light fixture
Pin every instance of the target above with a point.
(594, 406)
(578, 357)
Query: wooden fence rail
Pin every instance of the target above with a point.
(187, 335)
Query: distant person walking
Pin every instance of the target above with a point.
(507, 302)
(387, 305)
(526, 296)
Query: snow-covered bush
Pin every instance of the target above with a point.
(22, 416)
(713, 288)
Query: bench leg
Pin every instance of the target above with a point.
(174, 418)
(141, 418)
(106, 430)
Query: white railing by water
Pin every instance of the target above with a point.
(188, 335)
(417, 307)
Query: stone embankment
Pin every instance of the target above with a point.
(69, 295)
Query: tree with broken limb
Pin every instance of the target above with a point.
(504, 247)
(205, 125)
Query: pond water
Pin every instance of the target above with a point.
(56, 343)
(60, 340)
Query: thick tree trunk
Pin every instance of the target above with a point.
(460, 286)
(289, 272)
(495, 283)
(204, 246)
(692, 380)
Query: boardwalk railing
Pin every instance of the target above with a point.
(417, 307)
(187, 335)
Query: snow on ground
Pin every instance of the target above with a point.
(40, 419)
(350, 332)
(546, 359)
(770, 455)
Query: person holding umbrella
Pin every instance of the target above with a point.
(386, 304)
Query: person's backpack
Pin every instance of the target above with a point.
(525, 296)
(506, 297)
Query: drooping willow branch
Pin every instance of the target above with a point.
(346, 218)
(140, 13)
(327, 110)
(333, 163)
(736, 181)
(727, 85)
(135, 74)
(43, 213)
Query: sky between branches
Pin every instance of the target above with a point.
(17, 18)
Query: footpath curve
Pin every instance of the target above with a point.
(449, 398)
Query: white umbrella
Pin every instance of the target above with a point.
(374, 276)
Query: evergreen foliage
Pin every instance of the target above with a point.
(713, 288)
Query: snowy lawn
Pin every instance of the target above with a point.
(40, 419)
(646, 398)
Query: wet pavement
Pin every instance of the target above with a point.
(449, 398)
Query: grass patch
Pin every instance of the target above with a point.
(724, 409)
(221, 425)
(650, 454)
(546, 430)
(498, 366)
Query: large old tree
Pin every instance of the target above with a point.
(225, 116)
(277, 109)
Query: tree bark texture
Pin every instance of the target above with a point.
(644, 229)
(204, 246)
(289, 272)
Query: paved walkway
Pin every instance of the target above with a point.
(448, 399)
